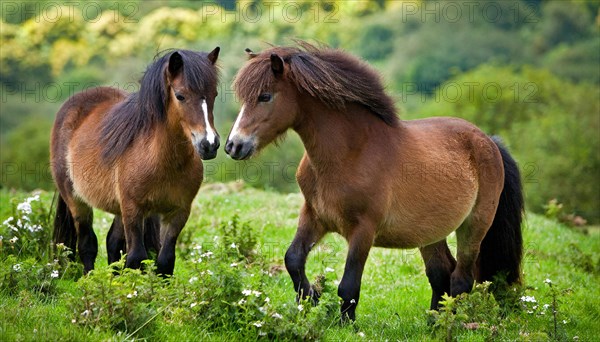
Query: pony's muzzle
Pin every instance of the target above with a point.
(239, 148)
(208, 150)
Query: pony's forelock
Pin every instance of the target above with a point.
(332, 76)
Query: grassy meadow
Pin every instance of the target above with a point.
(230, 283)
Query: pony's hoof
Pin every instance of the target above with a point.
(347, 318)
(314, 295)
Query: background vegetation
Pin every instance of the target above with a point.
(527, 70)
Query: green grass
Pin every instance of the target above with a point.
(395, 292)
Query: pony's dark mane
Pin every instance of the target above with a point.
(148, 107)
(330, 75)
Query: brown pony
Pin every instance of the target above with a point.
(134, 155)
(378, 180)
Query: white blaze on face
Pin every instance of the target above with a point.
(236, 125)
(210, 132)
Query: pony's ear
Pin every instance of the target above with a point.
(276, 64)
(250, 53)
(175, 65)
(213, 55)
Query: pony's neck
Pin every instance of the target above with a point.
(174, 144)
(333, 137)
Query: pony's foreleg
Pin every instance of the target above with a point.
(439, 264)
(308, 234)
(360, 241)
(133, 222)
(171, 226)
(87, 242)
(115, 240)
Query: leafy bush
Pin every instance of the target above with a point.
(224, 289)
(26, 232)
(477, 310)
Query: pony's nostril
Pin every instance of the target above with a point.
(236, 149)
(228, 146)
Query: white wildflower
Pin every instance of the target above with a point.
(247, 292)
(564, 321)
(352, 301)
(361, 334)
(276, 315)
(24, 207)
(207, 254)
(209, 272)
(8, 221)
(54, 274)
(242, 301)
(131, 295)
(85, 313)
(193, 304)
(14, 239)
(233, 245)
(300, 307)
(17, 267)
(233, 264)
(258, 324)
(193, 279)
(263, 310)
(529, 299)
(73, 321)
(267, 299)
(548, 281)
(256, 293)
(329, 270)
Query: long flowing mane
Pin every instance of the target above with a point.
(330, 75)
(148, 107)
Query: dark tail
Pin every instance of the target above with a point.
(502, 248)
(64, 226)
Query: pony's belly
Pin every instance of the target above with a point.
(94, 186)
(400, 236)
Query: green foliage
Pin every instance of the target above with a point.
(219, 293)
(223, 289)
(25, 232)
(25, 156)
(118, 299)
(477, 310)
(28, 275)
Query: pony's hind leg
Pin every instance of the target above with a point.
(468, 237)
(115, 240)
(171, 226)
(308, 234)
(439, 264)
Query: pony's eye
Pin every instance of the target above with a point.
(179, 97)
(266, 97)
